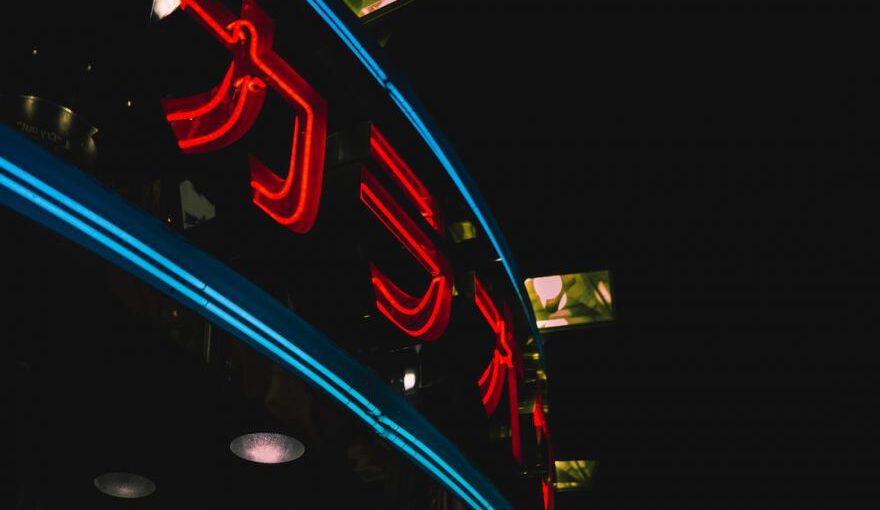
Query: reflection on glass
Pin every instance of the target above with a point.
(571, 299)
(364, 7)
(574, 475)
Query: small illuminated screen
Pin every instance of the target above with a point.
(574, 474)
(364, 7)
(569, 300)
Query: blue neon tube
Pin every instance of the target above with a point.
(344, 23)
(69, 202)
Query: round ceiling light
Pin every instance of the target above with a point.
(267, 448)
(125, 485)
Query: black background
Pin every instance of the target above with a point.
(717, 158)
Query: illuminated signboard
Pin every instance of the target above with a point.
(573, 475)
(381, 206)
(219, 117)
(424, 317)
(561, 301)
(366, 7)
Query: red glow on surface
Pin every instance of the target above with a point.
(424, 317)
(221, 116)
(548, 494)
(485, 376)
(215, 119)
(542, 433)
(513, 402)
(243, 86)
(401, 301)
(208, 12)
(496, 388)
(411, 320)
(493, 368)
(210, 105)
(541, 428)
(491, 388)
(486, 306)
(406, 179)
(505, 363)
(389, 212)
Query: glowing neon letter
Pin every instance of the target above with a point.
(542, 433)
(217, 118)
(424, 317)
(396, 168)
(506, 360)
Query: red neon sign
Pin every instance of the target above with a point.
(424, 317)
(542, 433)
(506, 363)
(217, 118)
(396, 168)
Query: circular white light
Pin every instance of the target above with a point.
(267, 448)
(409, 379)
(125, 485)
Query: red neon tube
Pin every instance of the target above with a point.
(494, 387)
(411, 321)
(492, 395)
(208, 121)
(389, 212)
(542, 433)
(513, 401)
(203, 109)
(486, 306)
(243, 86)
(505, 362)
(547, 491)
(384, 154)
(485, 376)
(424, 317)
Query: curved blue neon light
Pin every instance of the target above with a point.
(69, 202)
(349, 29)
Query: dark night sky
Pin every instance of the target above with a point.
(716, 158)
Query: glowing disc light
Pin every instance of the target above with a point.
(267, 448)
(125, 485)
